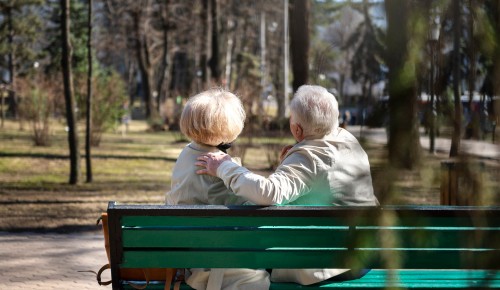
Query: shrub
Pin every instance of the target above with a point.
(108, 102)
(37, 107)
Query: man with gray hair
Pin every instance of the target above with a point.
(327, 166)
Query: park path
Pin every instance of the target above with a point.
(33, 261)
(482, 149)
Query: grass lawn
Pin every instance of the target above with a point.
(135, 168)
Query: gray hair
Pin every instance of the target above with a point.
(315, 109)
(213, 117)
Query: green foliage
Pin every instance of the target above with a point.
(369, 49)
(78, 38)
(487, 31)
(108, 99)
(108, 102)
(21, 20)
(326, 10)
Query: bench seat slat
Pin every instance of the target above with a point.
(293, 258)
(358, 218)
(245, 238)
(219, 221)
(312, 237)
(412, 279)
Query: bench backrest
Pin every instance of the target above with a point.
(415, 237)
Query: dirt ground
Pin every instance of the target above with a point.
(135, 168)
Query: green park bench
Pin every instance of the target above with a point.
(405, 246)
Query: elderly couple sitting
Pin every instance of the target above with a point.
(327, 166)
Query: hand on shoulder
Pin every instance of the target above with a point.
(210, 162)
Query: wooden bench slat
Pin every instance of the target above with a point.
(358, 218)
(312, 237)
(414, 279)
(244, 238)
(221, 221)
(331, 258)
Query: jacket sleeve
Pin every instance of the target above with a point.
(291, 180)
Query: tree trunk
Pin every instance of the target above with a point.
(496, 59)
(457, 120)
(474, 125)
(214, 62)
(341, 88)
(278, 73)
(242, 42)
(2, 103)
(11, 59)
(202, 66)
(283, 106)
(229, 53)
(472, 55)
(164, 58)
(68, 93)
(404, 140)
(299, 42)
(496, 68)
(146, 71)
(88, 131)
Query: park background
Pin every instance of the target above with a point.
(92, 91)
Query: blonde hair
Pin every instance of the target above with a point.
(315, 109)
(213, 117)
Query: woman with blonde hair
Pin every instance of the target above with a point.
(212, 120)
